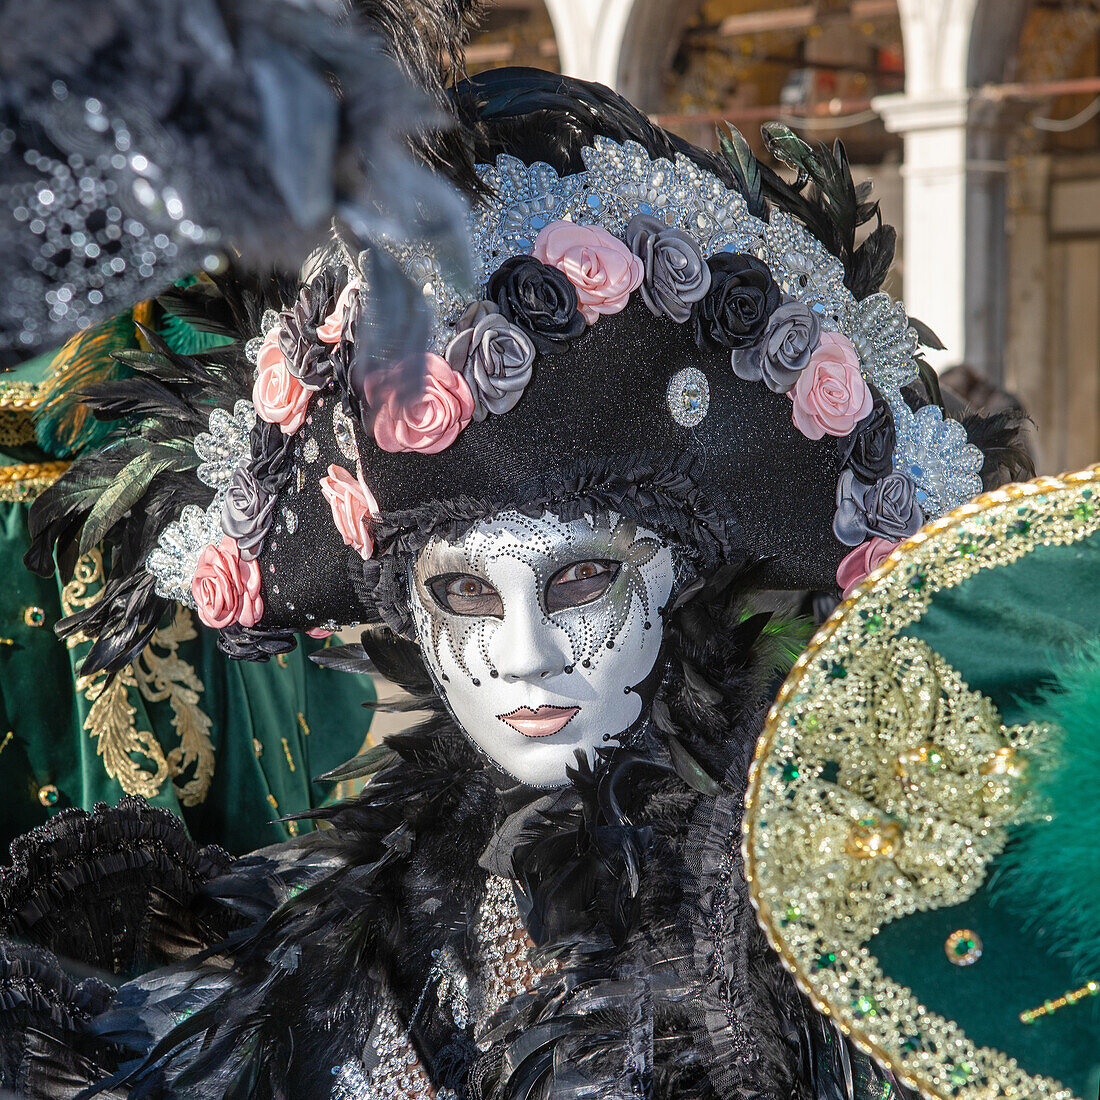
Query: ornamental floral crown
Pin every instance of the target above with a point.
(552, 255)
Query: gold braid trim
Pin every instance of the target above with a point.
(26, 481)
(882, 784)
(159, 675)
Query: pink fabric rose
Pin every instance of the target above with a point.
(329, 332)
(863, 560)
(830, 396)
(604, 271)
(431, 423)
(354, 509)
(226, 589)
(279, 398)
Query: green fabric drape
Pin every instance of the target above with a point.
(264, 730)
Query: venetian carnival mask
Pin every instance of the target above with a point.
(542, 636)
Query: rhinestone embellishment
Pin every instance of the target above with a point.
(963, 947)
(688, 397)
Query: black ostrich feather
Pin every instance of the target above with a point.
(394, 878)
(999, 435)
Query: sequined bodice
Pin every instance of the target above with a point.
(470, 992)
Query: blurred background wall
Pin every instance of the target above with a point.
(978, 120)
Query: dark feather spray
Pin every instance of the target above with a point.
(825, 198)
(126, 493)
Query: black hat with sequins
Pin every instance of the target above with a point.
(677, 336)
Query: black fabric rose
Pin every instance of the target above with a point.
(676, 276)
(306, 355)
(246, 513)
(888, 508)
(271, 452)
(540, 299)
(869, 451)
(248, 643)
(742, 296)
(784, 351)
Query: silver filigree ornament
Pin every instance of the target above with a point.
(221, 449)
(688, 397)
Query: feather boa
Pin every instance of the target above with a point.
(664, 986)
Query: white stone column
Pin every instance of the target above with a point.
(934, 173)
(932, 115)
(625, 44)
(590, 36)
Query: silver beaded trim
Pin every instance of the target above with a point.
(222, 449)
(397, 1072)
(503, 954)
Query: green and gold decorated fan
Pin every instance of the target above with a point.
(922, 829)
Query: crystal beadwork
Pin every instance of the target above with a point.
(344, 431)
(688, 397)
(503, 955)
(935, 452)
(222, 449)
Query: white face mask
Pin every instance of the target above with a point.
(541, 634)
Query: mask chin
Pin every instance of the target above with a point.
(530, 686)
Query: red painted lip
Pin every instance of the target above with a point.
(538, 723)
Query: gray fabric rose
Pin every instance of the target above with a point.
(246, 513)
(676, 274)
(784, 350)
(888, 508)
(493, 355)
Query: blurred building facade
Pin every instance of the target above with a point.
(979, 121)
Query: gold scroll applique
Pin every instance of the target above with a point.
(131, 756)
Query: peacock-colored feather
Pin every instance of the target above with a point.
(745, 167)
(1051, 874)
(782, 640)
(185, 339)
(64, 425)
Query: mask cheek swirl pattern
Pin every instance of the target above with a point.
(539, 634)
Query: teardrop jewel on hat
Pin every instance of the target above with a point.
(689, 397)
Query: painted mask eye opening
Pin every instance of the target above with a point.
(466, 594)
(580, 583)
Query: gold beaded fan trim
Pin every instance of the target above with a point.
(882, 785)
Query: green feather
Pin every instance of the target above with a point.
(373, 760)
(116, 500)
(1051, 873)
(782, 641)
(690, 770)
(185, 339)
(745, 167)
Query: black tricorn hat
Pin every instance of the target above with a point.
(679, 337)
